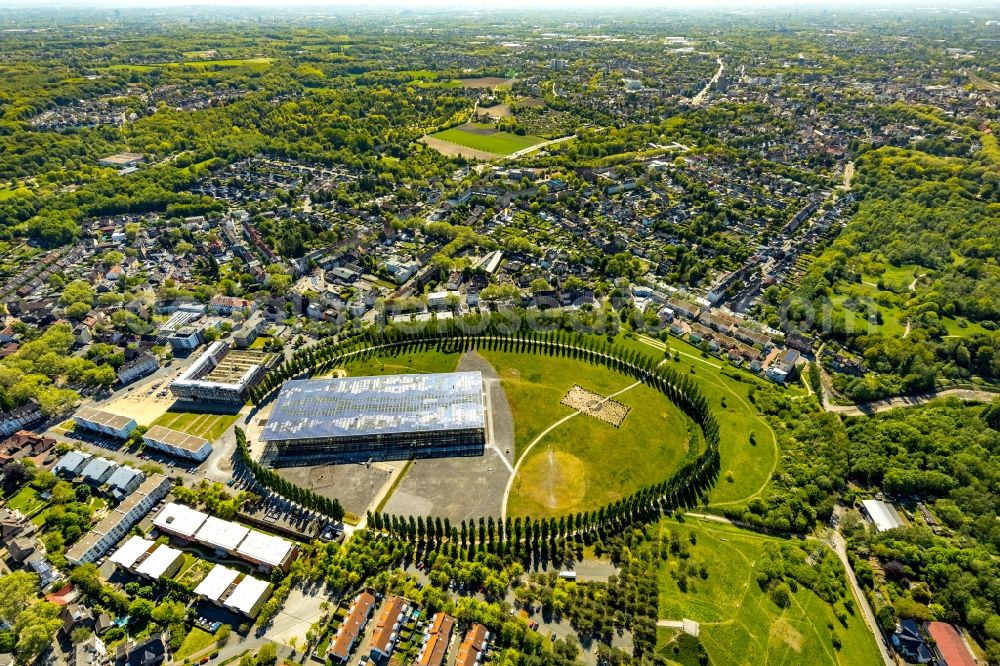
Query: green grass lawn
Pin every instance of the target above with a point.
(26, 500)
(584, 463)
(255, 64)
(750, 464)
(893, 320)
(739, 623)
(259, 342)
(955, 327)
(193, 571)
(535, 384)
(209, 426)
(414, 362)
(196, 641)
(501, 143)
(8, 192)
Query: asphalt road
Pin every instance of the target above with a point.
(840, 547)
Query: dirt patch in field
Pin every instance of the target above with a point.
(552, 479)
(531, 103)
(785, 632)
(497, 111)
(484, 82)
(449, 149)
(596, 405)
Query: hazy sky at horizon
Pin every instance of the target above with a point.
(730, 5)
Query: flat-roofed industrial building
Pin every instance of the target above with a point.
(163, 562)
(178, 443)
(130, 553)
(216, 584)
(390, 417)
(222, 535)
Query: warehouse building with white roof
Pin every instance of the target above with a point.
(179, 520)
(222, 535)
(177, 443)
(267, 551)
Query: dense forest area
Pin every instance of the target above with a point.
(944, 563)
(931, 219)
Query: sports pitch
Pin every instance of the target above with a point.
(488, 139)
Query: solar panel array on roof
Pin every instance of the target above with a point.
(359, 406)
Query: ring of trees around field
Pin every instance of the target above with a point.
(682, 489)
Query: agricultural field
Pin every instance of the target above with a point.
(740, 623)
(209, 426)
(487, 138)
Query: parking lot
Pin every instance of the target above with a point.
(354, 485)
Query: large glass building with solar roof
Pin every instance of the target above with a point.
(390, 417)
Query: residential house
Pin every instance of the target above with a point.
(390, 619)
(151, 652)
(351, 628)
(910, 643)
(949, 648)
(123, 481)
(91, 652)
(75, 615)
(22, 548)
(98, 470)
(474, 647)
(437, 638)
(14, 524)
(118, 522)
(21, 417)
(140, 366)
(71, 464)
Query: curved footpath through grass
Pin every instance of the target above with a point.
(739, 621)
(527, 450)
(751, 464)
